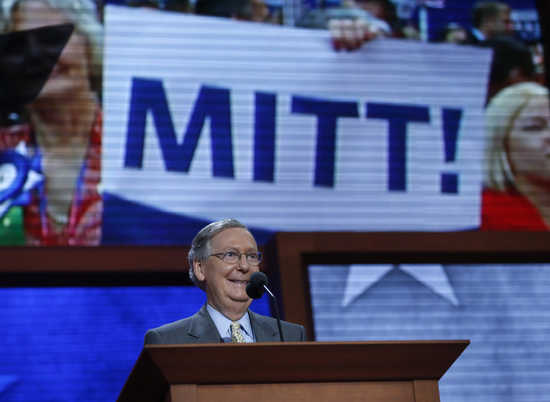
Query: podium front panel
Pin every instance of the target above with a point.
(353, 391)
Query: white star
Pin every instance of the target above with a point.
(362, 277)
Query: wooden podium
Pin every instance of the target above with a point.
(390, 371)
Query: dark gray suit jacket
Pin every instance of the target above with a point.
(199, 328)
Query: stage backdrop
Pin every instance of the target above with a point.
(67, 344)
(503, 309)
(207, 118)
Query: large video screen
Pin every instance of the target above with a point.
(503, 309)
(162, 116)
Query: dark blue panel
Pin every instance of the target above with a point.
(80, 344)
(130, 223)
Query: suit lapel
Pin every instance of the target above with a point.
(263, 330)
(203, 328)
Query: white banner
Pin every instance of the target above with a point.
(213, 118)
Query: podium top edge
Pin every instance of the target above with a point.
(456, 342)
(207, 363)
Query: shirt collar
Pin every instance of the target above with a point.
(223, 324)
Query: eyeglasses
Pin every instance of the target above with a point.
(233, 256)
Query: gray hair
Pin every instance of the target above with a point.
(83, 14)
(200, 247)
(500, 116)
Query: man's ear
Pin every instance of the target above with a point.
(198, 267)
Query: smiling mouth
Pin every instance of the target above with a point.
(238, 282)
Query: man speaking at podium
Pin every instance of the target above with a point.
(222, 259)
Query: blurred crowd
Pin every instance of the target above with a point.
(513, 34)
(61, 130)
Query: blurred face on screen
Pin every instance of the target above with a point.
(225, 283)
(501, 24)
(260, 12)
(71, 72)
(529, 141)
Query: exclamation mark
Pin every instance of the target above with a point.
(451, 124)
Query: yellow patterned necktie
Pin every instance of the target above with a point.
(236, 333)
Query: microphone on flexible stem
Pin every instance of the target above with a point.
(256, 288)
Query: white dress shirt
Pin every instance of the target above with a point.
(223, 325)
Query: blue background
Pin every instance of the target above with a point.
(80, 343)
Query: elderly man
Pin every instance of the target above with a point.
(222, 258)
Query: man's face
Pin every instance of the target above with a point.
(225, 284)
(502, 23)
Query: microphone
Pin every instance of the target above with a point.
(256, 287)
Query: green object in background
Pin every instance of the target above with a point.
(11, 228)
